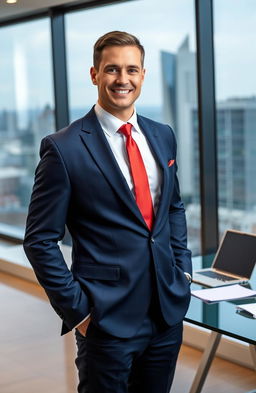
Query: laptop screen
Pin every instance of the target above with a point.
(237, 254)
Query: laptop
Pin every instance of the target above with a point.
(233, 262)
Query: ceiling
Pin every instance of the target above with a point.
(23, 7)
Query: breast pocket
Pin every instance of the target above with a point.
(171, 163)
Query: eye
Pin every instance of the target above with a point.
(112, 70)
(133, 70)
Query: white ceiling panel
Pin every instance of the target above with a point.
(28, 6)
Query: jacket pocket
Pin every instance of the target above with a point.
(98, 272)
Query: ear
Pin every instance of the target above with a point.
(93, 73)
(143, 74)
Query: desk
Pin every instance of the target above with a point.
(220, 318)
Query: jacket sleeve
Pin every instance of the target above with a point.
(45, 227)
(178, 224)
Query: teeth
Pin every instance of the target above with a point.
(122, 91)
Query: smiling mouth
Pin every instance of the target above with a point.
(122, 91)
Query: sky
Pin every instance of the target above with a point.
(25, 53)
(234, 43)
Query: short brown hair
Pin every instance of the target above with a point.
(115, 38)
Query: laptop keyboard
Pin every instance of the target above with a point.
(218, 276)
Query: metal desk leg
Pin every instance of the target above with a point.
(205, 363)
(253, 354)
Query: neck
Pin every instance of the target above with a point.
(123, 115)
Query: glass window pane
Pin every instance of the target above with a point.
(236, 113)
(169, 93)
(26, 114)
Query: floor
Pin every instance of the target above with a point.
(36, 359)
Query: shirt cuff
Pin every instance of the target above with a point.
(188, 276)
(85, 319)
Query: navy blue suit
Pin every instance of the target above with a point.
(78, 183)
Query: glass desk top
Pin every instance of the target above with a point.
(222, 317)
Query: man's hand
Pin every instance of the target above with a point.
(82, 328)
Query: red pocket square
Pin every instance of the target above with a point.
(171, 162)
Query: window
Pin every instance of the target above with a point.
(236, 113)
(169, 93)
(26, 114)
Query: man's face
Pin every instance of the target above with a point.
(119, 78)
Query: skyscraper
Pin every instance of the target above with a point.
(179, 97)
(236, 149)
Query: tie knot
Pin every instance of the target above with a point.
(126, 129)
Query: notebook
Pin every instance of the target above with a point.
(233, 262)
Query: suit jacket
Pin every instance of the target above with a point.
(114, 255)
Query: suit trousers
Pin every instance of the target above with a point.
(144, 363)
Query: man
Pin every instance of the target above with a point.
(111, 178)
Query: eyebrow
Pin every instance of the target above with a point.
(117, 66)
(134, 66)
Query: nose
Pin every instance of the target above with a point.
(122, 77)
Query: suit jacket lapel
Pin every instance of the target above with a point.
(95, 141)
(151, 133)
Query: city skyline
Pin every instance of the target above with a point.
(19, 157)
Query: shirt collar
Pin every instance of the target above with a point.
(111, 124)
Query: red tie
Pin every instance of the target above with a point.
(139, 176)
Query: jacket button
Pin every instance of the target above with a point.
(152, 240)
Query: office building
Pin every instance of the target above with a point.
(236, 160)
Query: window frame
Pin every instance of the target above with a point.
(206, 101)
